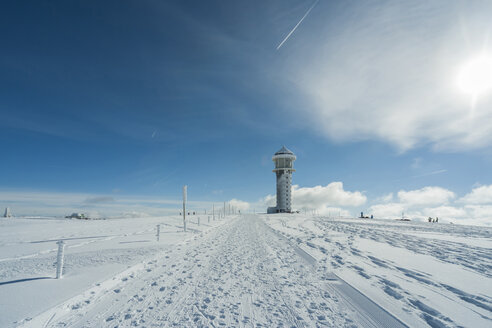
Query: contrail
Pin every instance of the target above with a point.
(430, 173)
(422, 175)
(297, 25)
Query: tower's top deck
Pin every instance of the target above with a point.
(284, 151)
(284, 160)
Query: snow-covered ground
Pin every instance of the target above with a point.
(96, 251)
(245, 271)
(423, 273)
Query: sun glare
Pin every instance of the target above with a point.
(475, 77)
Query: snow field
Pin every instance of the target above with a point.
(246, 271)
(238, 275)
(426, 274)
(96, 251)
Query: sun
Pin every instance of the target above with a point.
(475, 76)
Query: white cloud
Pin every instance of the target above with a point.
(470, 214)
(386, 211)
(239, 204)
(333, 212)
(417, 205)
(385, 198)
(433, 202)
(325, 200)
(480, 195)
(446, 212)
(480, 211)
(426, 196)
(332, 194)
(371, 77)
(269, 200)
(396, 210)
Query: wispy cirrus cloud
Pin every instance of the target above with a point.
(388, 73)
(430, 173)
(99, 199)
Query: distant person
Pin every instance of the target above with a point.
(430, 219)
(437, 219)
(372, 217)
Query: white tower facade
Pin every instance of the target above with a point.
(284, 166)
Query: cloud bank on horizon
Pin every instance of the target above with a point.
(473, 208)
(39, 203)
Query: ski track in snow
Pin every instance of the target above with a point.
(241, 274)
(335, 243)
(290, 271)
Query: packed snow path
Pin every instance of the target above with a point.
(241, 274)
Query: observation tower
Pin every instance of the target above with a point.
(284, 166)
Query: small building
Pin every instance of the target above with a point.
(80, 216)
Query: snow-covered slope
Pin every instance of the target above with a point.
(96, 251)
(426, 274)
(245, 271)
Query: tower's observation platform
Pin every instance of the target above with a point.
(284, 166)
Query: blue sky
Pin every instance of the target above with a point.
(127, 98)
